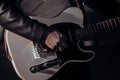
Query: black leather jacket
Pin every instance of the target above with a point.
(13, 19)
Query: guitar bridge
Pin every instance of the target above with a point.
(38, 51)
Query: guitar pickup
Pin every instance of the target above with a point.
(43, 66)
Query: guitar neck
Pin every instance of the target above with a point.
(103, 26)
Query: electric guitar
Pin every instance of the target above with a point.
(32, 63)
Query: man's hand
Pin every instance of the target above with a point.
(55, 40)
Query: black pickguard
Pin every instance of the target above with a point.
(73, 52)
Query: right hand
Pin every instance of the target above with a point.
(55, 40)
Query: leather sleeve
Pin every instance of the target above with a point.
(13, 19)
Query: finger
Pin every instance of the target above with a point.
(49, 44)
(61, 46)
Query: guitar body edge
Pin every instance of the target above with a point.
(21, 52)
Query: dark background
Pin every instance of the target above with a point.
(106, 65)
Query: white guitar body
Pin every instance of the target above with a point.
(23, 51)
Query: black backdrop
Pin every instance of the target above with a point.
(106, 65)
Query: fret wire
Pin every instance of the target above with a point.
(94, 28)
(88, 29)
(103, 23)
(107, 25)
(92, 31)
(83, 34)
(118, 19)
(100, 25)
(111, 23)
(114, 22)
(97, 26)
(77, 34)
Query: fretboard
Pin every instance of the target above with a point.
(103, 26)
